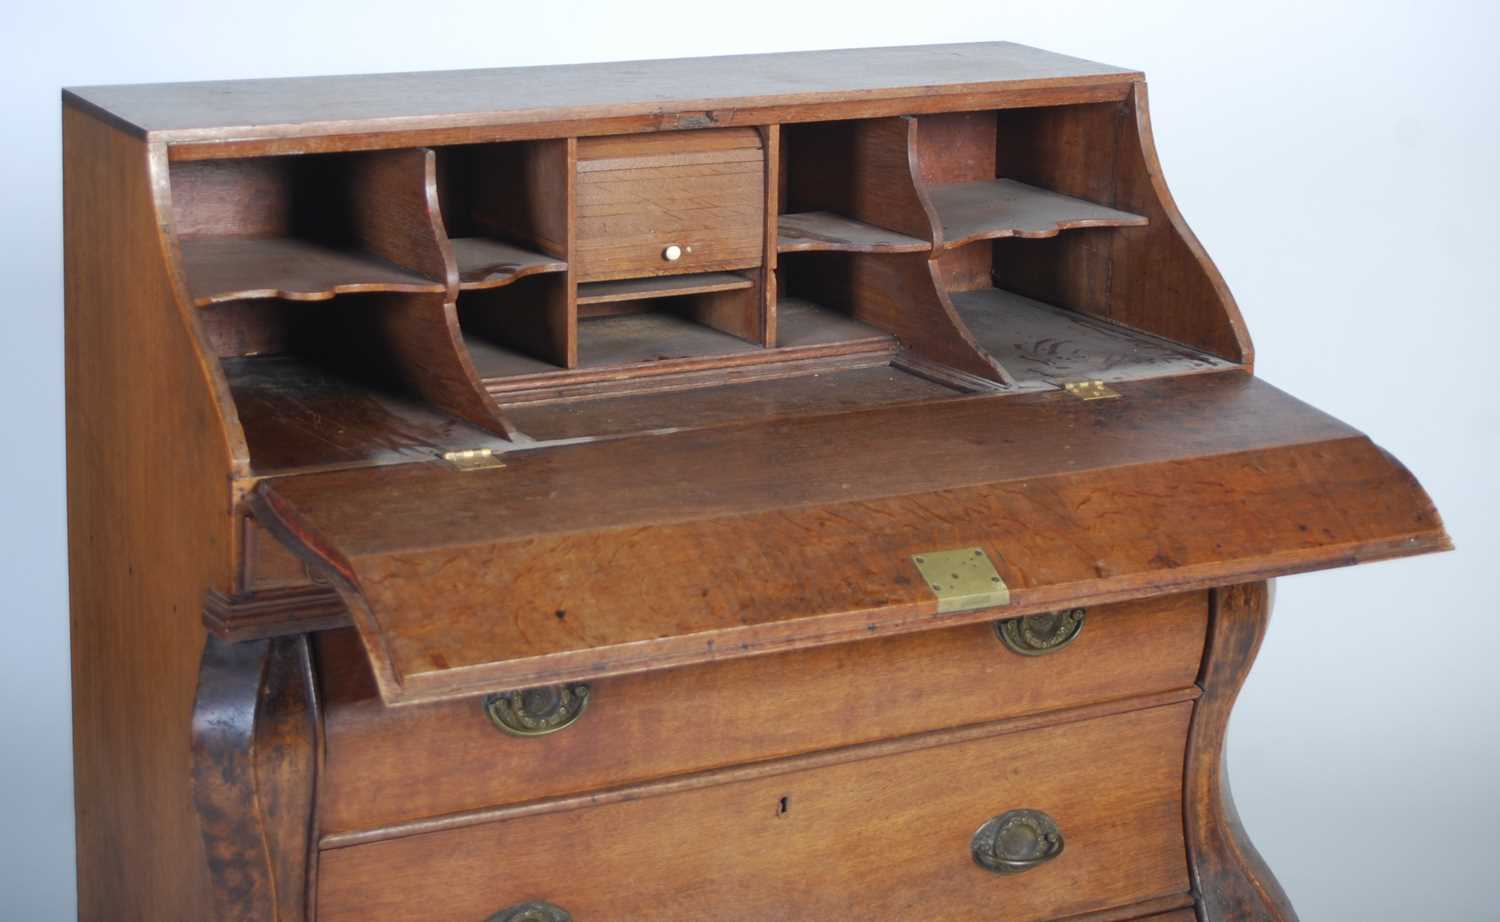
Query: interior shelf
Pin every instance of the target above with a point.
(620, 340)
(991, 208)
(636, 339)
(660, 287)
(487, 263)
(1038, 342)
(825, 231)
(801, 323)
(222, 269)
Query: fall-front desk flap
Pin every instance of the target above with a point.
(614, 556)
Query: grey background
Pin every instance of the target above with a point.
(1338, 160)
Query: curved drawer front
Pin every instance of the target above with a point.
(391, 765)
(669, 203)
(879, 838)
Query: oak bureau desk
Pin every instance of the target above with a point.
(818, 486)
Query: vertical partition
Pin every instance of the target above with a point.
(509, 209)
(858, 233)
(770, 136)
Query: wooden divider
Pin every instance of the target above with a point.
(861, 182)
(512, 206)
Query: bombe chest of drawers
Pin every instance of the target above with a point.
(821, 486)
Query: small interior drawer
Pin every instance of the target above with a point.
(390, 765)
(892, 837)
(670, 203)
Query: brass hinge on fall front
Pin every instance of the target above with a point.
(1090, 390)
(962, 579)
(473, 459)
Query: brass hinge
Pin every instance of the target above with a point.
(473, 459)
(963, 579)
(1091, 390)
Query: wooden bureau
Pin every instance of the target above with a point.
(813, 486)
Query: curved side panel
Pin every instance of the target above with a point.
(171, 256)
(396, 214)
(401, 220)
(1162, 279)
(919, 185)
(255, 761)
(1230, 878)
(903, 294)
(420, 334)
(1155, 277)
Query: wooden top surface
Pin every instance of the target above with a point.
(768, 536)
(311, 106)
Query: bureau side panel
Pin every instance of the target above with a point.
(148, 531)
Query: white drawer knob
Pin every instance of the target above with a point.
(672, 253)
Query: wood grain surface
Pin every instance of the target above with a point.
(1038, 342)
(712, 89)
(990, 209)
(622, 353)
(814, 231)
(231, 268)
(833, 539)
(710, 486)
(862, 170)
(701, 191)
(1230, 878)
(897, 293)
(255, 772)
(660, 287)
(810, 390)
(883, 838)
(395, 765)
(487, 263)
(1155, 278)
(149, 456)
(298, 415)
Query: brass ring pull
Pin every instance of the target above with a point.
(532, 912)
(537, 711)
(1037, 635)
(1016, 841)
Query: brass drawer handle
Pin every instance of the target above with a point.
(537, 711)
(532, 912)
(1037, 635)
(1016, 841)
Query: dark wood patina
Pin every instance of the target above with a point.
(508, 494)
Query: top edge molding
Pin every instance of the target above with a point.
(310, 107)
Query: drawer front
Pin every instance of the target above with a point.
(702, 192)
(881, 838)
(390, 765)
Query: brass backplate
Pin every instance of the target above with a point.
(963, 579)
